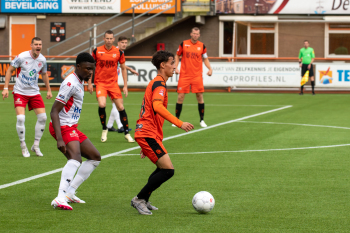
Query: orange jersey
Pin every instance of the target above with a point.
(106, 71)
(150, 124)
(191, 62)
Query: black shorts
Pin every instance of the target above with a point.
(304, 69)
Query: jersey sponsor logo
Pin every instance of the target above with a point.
(69, 84)
(18, 101)
(74, 134)
(33, 72)
(139, 126)
(187, 45)
(161, 92)
(107, 63)
(61, 96)
(101, 52)
(192, 55)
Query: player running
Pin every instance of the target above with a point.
(193, 54)
(29, 65)
(149, 132)
(107, 57)
(114, 116)
(65, 114)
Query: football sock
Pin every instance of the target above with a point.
(313, 86)
(111, 120)
(201, 111)
(20, 127)
(124, 120)
(67, 175)
(39, 127)
(83, 173)
(154, 182)
(302, 89)
(102, 113)
(153, 173)
(178, 110)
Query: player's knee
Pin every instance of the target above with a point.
(97, 156)
(169, 173)
(42, 118)
(21, 119)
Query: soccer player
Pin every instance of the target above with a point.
(149, 132)
(306, 58)
(107, 57)
(114, 116)
(29, 65)
(193, 53)
(65, 114)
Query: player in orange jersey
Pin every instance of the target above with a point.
(193, 54)
(107, 57)
(149, 132)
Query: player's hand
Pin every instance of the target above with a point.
(300, 65)
(134, 72)
(309, 67)
(90, 88)
(61, 146)
(187, 126)
(210, 72)
(177, 71)
(125, 90)
(5, 94)
(142, 155)
(49, 95)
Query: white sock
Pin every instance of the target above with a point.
(83, 173)
(111, 118)
(117, 116)
(20, 128)
(39, 127)
(68, 173)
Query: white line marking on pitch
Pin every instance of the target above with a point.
(136, 147)
(281, 123)
(240, 151)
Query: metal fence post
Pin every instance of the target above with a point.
(90, 51)
(175, 18)
(133, 26)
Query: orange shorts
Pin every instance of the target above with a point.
(196, 85)
(112, 90)
(152, 148)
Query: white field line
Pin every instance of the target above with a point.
(280, 123)
(119, 153)
(241, 151)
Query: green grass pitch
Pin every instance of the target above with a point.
(302, 187)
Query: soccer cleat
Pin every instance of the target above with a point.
(71, 198)
(104, 135)
(37, 151)
(140, 205)
(151, 207)
(61, 203)
(173, 125)
(301, 93)
(121, 130)
(112, 129)
(25, 151)
(202, 123)
(129, 138)
(313, 93)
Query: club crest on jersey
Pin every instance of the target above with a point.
(161, 92)
(114, 55)
(26, 63)
(69, 84)
(18, 101)
(40, 64)
(61, 96)
(187, 45)
(74, 134)
(199, 48)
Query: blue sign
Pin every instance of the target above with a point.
(31, 6)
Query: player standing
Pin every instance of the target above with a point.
(29, 65)
(114, 116)
(306, 58)
(193, 54)
(65, 114)
(149, 132)
(107, 57)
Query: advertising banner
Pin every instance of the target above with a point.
(126, 4)
(31, 6)
(283, 7)
(91, 6)
(330, 75)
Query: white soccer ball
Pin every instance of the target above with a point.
(203, 202)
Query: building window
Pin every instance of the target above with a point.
(338, 39)
(256, 39)
(228, 34)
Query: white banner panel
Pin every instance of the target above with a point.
(227, 74)
(91, 6)
(330, 75)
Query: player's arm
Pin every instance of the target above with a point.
(5, 92)
(300, 58)
(47, 82)
(132, 70)
(207, 64)
(177, 57)
(125, 78)
(56, 108)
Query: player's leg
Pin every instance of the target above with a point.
(88, 151)
(39, 129)
(312, 79)
(123, 118)
(73, 155)
(112, 118)
(20, 127)
(183, 88)
(198, 88)
(101, 94)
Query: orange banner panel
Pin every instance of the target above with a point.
(126, 4)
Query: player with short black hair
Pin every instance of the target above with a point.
(65, 114)
(29, 65)
(149, 132)
(306, 58)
